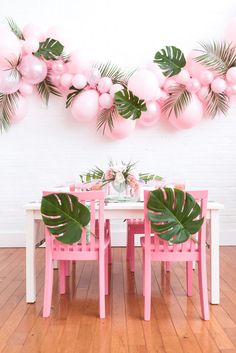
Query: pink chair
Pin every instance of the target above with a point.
(95, 249)
(156, 249)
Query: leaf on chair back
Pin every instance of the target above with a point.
(174, 214)
(64, 216)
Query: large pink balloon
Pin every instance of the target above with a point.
(20, 111)
(9, 81)
(10, 47)
(31, 30)
(190, 117)
(57, 32)
(151, 116)
(33, 69)
(78, 63)
(144, 84)
(195, 69)
(85, 106)
(157, 71)
(230, 32)
(122, 128)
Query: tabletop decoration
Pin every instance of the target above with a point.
(177, 88)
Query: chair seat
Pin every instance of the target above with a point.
(189, 246)
(63, 248)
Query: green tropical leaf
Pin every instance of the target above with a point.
(174, 214)
(217, 56)
(70, 97)
(64, 216)
(128, 105)
(177, 101)
(116, 74)
(217, 103)
(171, 60)
(45, 88)
(148, 177)
(8, 104)
(15, 28)
(106, 118)
(50, 49)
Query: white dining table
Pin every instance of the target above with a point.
(119, 211)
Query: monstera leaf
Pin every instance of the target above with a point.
(128, 105)
(50, 49)
(64, 215)
(171, 60)
(173, 214)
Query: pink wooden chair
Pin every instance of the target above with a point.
(94, 249)
(156, 249)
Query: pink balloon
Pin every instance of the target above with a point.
(55, 79)
(32, 30)
(25, 88)
(9, 81)
(231, 75)
(230, 32)
(182, 77)
(78, 63)
(115, 88)
(190, 117)
(193, 85)
(218, 85)
(202, 93)
(195, 69)
(33, 69)
(21, 109)
(144, 84)
(93, 77)
(58, 67)
(151, 116)
(122, 128)
(30, 45)
(206, 77)
(79, 81)
(59, 33)
(104, 84)
(85, 106)
(157, 71)
(105, 101)
(169, 84)
(10, 47)
(66, 80)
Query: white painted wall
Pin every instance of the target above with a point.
(49, 148)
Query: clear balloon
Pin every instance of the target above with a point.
(85, 106)
(33, 69)
(144, 84)
(79, 81)
(105, 101)
(151, 116)
(9, 81)
(32, 30)
(20, 111)
(122, 128)
(104, 84)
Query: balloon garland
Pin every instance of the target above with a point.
(182, 90)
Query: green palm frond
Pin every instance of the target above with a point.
(8, 104)
(116, 74)
(50, 49)
(218, 56)
(128, 105)
(106, 118)
(70, 97)
(177, 101)
(45, 88)
(217, 103)
(15, 28)
(171, 60)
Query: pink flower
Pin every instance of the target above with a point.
(109, 174)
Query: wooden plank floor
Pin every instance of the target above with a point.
(74, 326)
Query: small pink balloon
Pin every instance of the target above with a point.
(203, 93)
(190, 117)
(169, 84)
(58, 67)
(20, 111)
(78, 63)
(25, 88)
(93, 77)
(104, 84)
(85, 106)
(157, 71)
(230, 32)
(206, 77)
(231, 75)
(193, 85)
(105, 101)
(9, 81)
(33, 69)
(32, 30)
(151, 116)
(182, 77)
(30, 45)
(66, 80)
(55, 79)
(163, 98)
(115, 88)
(10, 47)
(79, 81)
(122, 128)
(218, 85)
(195, 69)
(144, 84)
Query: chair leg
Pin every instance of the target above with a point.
(147, 286)
(102, 285)
(189, 278)
(132, 255)
(128, 243)
(48, 283)
(202, 278)
(67, 268)
(109, 254)
(167, 266)
(62, 276)
(106, 271)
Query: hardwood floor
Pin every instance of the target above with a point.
(74, 326)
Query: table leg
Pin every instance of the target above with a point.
(215, 260)
(30, 258)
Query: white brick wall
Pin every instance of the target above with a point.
(49, 148)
